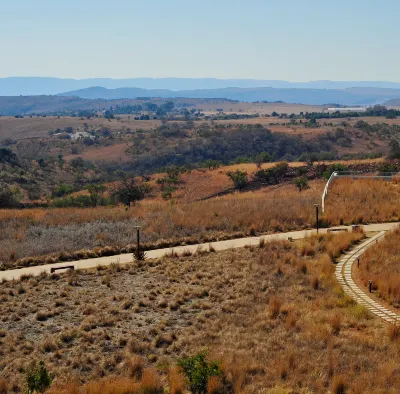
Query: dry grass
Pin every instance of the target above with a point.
(381, 265)
(35, 232)
(362, 201)
(92, 232)
(253, 308)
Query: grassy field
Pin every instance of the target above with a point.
(381, 265)
(33, 232)
(363, 201)
(274, 316)
(38, 127)
(39, 232)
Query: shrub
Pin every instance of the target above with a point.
(394, 332)
(3, 387)
(198, 370)
(239, 178)
(8, 199)
(37, 378)
(333, 168)
(301, 183)
(274, 307)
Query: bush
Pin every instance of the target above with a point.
(198, 370)
(301, 183)
(62, 190)
(8, 199)
(239, 178)
(272, 175)
(37, 378)
(334, 168)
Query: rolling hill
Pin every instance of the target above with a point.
(350, 96)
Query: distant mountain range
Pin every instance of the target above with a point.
(314, 92)
(27, 86)
(349, 96)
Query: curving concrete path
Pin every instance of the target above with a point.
(344, 277)
(158, 253)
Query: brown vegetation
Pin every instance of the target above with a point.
(362, 201)
(83, 233)
(255, 309)
(381, 265)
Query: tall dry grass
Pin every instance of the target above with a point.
(36, 232)
(381, 265)
(362, 201)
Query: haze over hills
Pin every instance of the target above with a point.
(349, 96)
(16, 86)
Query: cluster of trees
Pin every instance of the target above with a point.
(127, 191)
(136, 109)
(224, 145)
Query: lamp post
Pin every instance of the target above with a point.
(137, 242)
(316, 216)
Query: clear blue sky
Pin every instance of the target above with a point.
(296, 40)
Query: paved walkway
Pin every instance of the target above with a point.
(344, 277)
(154, 254)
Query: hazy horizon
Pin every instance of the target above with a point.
(229, 39)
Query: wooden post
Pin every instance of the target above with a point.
(370, 286)
(316, 217)
(137, 242)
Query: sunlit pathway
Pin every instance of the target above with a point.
(179, 250)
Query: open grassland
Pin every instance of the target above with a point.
(381, 265)
(362, 201)
(273, 315)
(79, 233)
(35, 127)
(34, 232)
(253, 108)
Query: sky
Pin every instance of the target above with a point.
(294, 40)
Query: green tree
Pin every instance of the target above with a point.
(301, 183)
(394, 149)
(239, 178)
(96, 193)
(128, 190)
(212, 164)
(197, 371)
(38, 378)
(8, 199)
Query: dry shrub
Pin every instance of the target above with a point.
(394, 332)
(274, 307)
(215, 385)
(338, 385)
(176, 381)
(134, 367)
(315, 282)
(335, 322)
(3, 387)
(151, 382)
